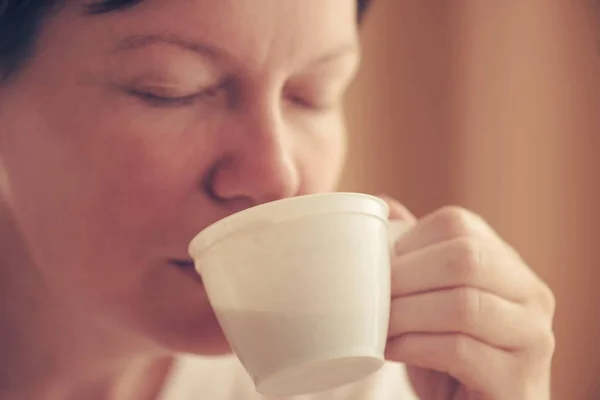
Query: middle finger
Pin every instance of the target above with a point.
(461, 262)
(481, 315)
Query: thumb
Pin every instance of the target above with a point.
(398, 211)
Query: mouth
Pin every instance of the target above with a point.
(187, 267)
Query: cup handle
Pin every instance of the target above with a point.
(396, 229)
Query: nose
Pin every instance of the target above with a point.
(259, 164)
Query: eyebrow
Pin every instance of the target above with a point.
(214, 52)
(140, 41)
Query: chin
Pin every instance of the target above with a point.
(169, 312)
(172, 312)
(200, 336)
(210, 343)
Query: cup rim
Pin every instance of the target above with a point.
(253, 218)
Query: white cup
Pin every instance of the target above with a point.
(301, 288)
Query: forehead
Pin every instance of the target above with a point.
(259, 32)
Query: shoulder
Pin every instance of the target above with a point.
(223, 378)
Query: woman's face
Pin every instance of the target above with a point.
(129, 132)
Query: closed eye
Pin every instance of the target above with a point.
(161, 100)
(168, 101)
(312, 105)
(164, 101)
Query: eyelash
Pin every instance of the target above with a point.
(310, 106)
(183, 101)
(166, 101)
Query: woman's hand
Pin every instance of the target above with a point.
(469, 317)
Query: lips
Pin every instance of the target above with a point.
(183, 263)
(188, 268)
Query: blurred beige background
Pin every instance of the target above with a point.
(494, 105)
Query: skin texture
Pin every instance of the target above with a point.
(468, 316)
(104, 182)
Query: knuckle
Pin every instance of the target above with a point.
(454, 221)
(465, 261)
(467, 306)
(540, 342)
(461, 352)
(547, 299)
(549, 342)
(545, 342)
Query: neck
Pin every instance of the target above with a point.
(49, 353)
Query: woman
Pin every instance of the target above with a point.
(127, 126)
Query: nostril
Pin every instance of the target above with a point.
(208, 186)
(257, 169)
(235, 203)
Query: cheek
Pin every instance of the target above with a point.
(95, 193)
(323, 158)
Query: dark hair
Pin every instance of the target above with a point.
(20, 21)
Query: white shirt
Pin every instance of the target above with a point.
(223, 378)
